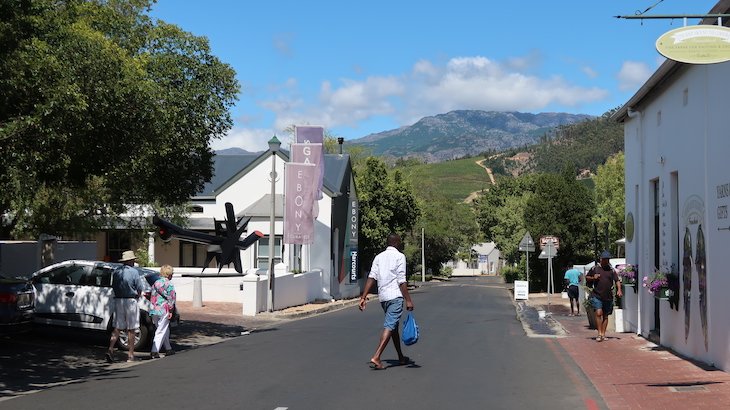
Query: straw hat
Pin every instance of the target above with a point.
(127, 256)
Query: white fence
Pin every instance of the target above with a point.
(251, 289)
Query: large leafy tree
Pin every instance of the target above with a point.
(387, 204)
(610, 196)
(561, 206)
(102, 107)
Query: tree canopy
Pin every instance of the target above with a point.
(102, 107)
(387, 204)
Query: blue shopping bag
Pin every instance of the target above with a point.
(410, 330)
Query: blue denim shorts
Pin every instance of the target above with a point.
(393, 310)
(605, 305)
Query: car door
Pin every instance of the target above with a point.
(73, 294)
(93, 296)
(55, 293)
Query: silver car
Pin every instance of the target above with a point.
(78, 293)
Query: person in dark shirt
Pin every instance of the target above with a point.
(603, 277)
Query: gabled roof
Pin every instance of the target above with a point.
(665, 72)
(484, 248)
(262, 207)
(227, 169)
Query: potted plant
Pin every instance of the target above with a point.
(627, 273)
(657, 284)
(588, 307)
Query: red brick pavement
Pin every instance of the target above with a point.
(632, 373)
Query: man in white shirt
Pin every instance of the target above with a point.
(389, 270)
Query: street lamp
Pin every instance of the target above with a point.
(274, 145)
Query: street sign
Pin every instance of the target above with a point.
(522, 290)
(527, 244)
(545, 239)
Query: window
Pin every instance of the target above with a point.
(116, 243)
(66, 275)
(192, 254)
(262, 251)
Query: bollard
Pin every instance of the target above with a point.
(197, 292)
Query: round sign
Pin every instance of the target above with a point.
(703, 44)
(630, 227)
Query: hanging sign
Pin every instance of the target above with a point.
(703, 44)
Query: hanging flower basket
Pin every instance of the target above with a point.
(659, 284)
(628, 274)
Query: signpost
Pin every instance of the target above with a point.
(549, 250)
(527, 245)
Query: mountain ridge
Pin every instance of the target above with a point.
(463, 133)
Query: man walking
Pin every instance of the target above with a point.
(127, 286)
(604, 278)
(389, 270)
(573, 278)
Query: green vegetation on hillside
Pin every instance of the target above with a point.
(454, 179)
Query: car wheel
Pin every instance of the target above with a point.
(142, 337)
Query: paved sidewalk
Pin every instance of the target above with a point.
(632, 373)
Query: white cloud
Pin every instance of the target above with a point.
(428, 88)
(249, 139)
(632, 75)
(589, 71)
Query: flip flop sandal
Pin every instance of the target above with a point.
(376, 366)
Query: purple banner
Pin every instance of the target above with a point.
(311, 154)
(299, 201)
(309, 134)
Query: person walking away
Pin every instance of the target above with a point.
(389, 270)
(604, 277)
(163, 304)
(573, 277)
(127, 286)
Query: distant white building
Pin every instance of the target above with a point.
(486, 260)
(677, 201)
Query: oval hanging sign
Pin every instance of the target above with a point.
(703, 44)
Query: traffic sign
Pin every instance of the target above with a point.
(547, 238)
(527, 244)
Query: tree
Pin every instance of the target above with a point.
(450, 229)
(610, 195)
(561, 206)
(387, 204)
(100, 108)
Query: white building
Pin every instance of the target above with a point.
(244, 181)
(486, 260)
(677, 199)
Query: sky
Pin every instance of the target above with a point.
(358, 68)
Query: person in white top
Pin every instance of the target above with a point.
(389, 270)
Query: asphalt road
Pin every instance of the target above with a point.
(473, 354)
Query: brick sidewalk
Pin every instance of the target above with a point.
(632, 373)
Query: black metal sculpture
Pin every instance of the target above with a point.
(224, 246)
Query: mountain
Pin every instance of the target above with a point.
(465, 133)
(233, 151)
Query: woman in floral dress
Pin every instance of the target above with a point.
(163, 303)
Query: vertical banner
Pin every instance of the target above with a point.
(303, 153)
(299, 199)
(351, 241)
(308, 134)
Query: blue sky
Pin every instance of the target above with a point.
(362, 67)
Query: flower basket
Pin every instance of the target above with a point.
(663, 284)
(628, 273)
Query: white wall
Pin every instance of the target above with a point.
(683, 131)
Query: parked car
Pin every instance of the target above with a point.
(16, 305)
(78, 293)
